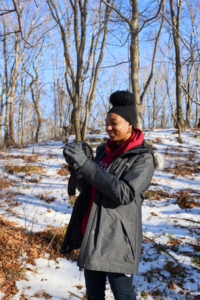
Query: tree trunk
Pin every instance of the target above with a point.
(197, 96)
(77, 117)
(38, 126)
(154, 107)
(22, 116)
(12, 92)
(21, 105)
(61, 98)
(6, 135)
(134, 54)
(1, 110)
(188, 106)
(36, 104)
(176, 24)
(148, 112)
(28, 125)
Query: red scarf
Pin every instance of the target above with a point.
(111, 154)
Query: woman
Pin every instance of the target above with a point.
(106, 222)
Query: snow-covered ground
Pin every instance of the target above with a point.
(170, 259)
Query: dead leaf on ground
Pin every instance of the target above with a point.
(154, 214)
(184, 169)
(157, 194)
(6, 183)
(175, 242)
(63, 171)
(35, 245)
(184, 201)
(171, 285)
(45, 198)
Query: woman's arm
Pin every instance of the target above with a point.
(80, 180)
(80, 183)
(131, 183)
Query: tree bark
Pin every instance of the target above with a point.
(1, 108)
(21, 105)
(134, 55)
(6, 135)
(176, 24)
(188, 102)
(154, 107)
(197, 96)
(61, 100)
(12, 91)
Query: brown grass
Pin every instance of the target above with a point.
(45, 198)
(31, 158)
(63, 171)
(6, 183)
(52, 156)
(184, 169)
(26, 169)
(157, 140)
(157, 195)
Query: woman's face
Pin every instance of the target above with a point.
(118, 129)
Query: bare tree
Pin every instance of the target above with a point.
(176, 28)
(132, 24)
(75, 76)
(35, 88)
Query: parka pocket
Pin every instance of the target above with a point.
(116, 241)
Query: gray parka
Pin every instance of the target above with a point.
(113, 236)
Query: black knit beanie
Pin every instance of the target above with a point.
(124, 105)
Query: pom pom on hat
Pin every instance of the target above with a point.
(122, 98)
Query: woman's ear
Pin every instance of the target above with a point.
(130, 127)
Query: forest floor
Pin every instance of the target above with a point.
(35, 210)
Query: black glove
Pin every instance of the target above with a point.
(68, 160)
(75, 154)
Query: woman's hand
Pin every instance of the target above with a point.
(74, 153)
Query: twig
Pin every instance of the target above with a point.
(164, 251)
(53, 238)
(198, 233)
(186, 220)
(75, 295)
(154, 288)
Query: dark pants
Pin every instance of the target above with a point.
(121, 285)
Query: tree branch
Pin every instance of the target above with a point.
(153, 61)
(9, 33)
(7, 12)
(176, 31)
(19, 23)
(198, 103)
(119, 13)
(94, 116)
